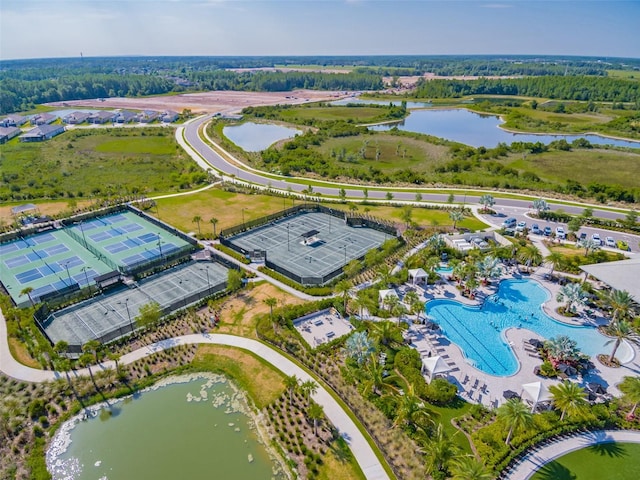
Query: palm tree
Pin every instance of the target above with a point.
(489, 268)
(377, 379)
(562, 348)
(412, 411)
(573, 295)
(621, 303)
(342, 288)
(384, 274)
(213, 221)
(516, 415)
(530, 255)
(589, 245)
(620, 331)
(359, 347)
(60, 347)
(569, 397)
(291, 382)
(86, 359)
(197, 219)
(468, 468)
(390, 301)
(440, 450)
(436, 243)
(487, 201)
(386, 333)
(362, 301)
(27, 291)
(93, 347)
(416, 306)
(315, 412)
(456, 216)
(630, 387)
(541, 205)
(113, 356)
(555, 259)
(271, 302)
(308, 388)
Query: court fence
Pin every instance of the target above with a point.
(351, 219)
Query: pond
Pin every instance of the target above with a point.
(471, 128)
(187, 427)
(254, 137)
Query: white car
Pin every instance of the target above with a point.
(610, 242)
(596, 238)
(560, 233)
(521, 226)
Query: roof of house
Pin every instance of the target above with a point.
(15, 117)
(103, 114)
(620, 275)
(42, 130)
(6, 131)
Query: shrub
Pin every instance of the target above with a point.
(441, 391)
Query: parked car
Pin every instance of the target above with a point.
(547, 231)
(560, 233)
(582, 237)
(610, 242)
(509, 222)
(521, 226)
(535, 229)
(596, 238)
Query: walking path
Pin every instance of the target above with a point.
(536, 458)
(361, 450)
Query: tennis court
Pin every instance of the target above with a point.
(125, 239)
(47, 262)
(112, 315)
(310, 244)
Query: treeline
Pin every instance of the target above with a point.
(18, 95)
(285, 81)
(595, 89)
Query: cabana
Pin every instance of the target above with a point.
(434, 366)
(418, 276)
(537, 392)
(383, 294)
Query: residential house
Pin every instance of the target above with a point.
(169, 116)
(147, 116)
(43, 119)
(13, 121)
(7, 133)
(76, 117)
(103, 116)
(41, 133)
(125, 116)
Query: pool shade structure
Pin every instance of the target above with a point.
(434, 366)
(418, 276)
(535, 343)
(596, 388)
(568, 370)
(537, 392)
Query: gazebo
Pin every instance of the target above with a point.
(537, 392)
(417, 276)
(434, 366)
(382, 294)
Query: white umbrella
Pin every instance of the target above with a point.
(435, 365)
(537, 392)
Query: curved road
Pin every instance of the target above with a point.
(361, 450)
(296, 184)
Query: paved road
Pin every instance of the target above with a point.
(361, 450)
(298, 184)
(536, 459)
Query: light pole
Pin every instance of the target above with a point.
(208, 283)
(345, 253)
(83, 237)
(160, 246)
(288, 236)
(86, 277)
(126, 305)
(66, 266)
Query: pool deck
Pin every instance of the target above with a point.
(476, 386)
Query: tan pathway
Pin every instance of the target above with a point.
(361, 450)
(538, 457)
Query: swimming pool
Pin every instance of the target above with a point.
(479, 331)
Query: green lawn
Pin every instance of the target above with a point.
(445, 414)
(610, 461)
(100, 162)
(396, 153)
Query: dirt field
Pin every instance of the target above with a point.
(206, 102)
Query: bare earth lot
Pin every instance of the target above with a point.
(206, 102)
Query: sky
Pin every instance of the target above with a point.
(67, 28)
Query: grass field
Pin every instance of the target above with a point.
(228, 208)
(611, 461)
(358, 114)
(583, 166)
(396, 153)
(84, 163)
(626, 74)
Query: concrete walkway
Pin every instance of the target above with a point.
(361, 450)
(536, 458)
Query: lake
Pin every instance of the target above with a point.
(464, 126)
(186, 427)
(255, 137)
